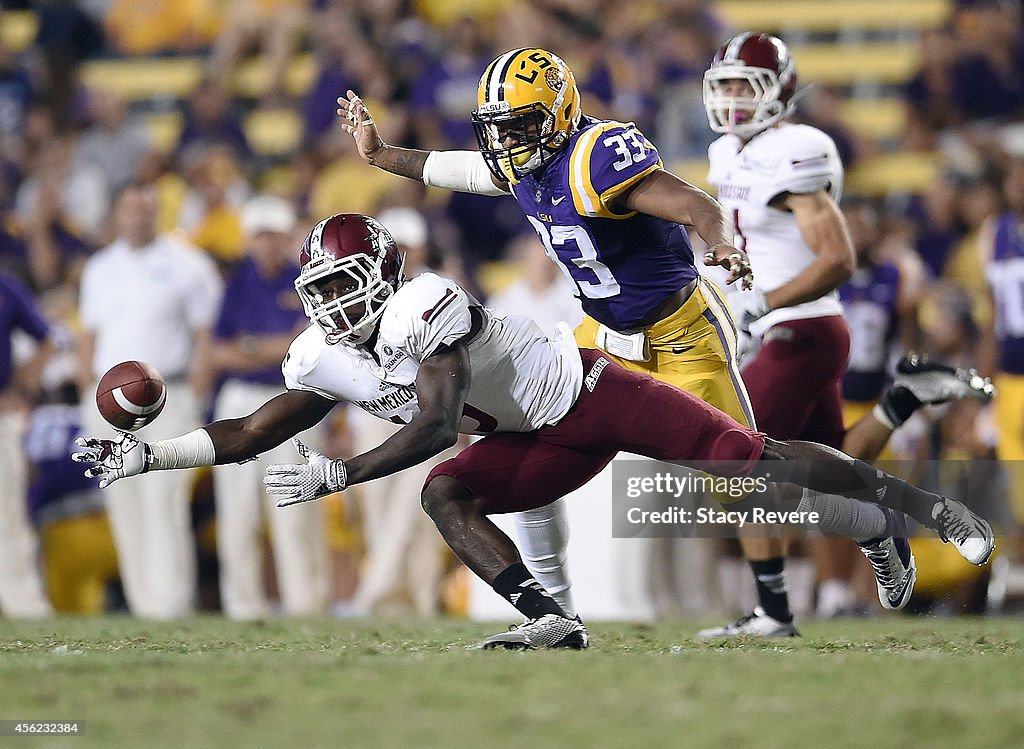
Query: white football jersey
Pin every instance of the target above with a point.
(520, 379)
(785, 159)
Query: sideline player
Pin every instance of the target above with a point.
(425, 353)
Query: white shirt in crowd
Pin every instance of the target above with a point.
(146, 303)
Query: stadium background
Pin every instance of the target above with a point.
(218, 100)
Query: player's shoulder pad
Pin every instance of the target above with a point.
(606, 159)
(302, 357)
(805, 159)
(426, 312)
(720, 150)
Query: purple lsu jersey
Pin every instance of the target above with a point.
(870, 304)
(623, 265)
(1005, 274)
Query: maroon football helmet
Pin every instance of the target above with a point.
(765, 64)
(357, 248)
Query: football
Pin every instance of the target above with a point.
(130, 395)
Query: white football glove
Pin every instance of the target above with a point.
(316, 478)
(125, 455)
(749, 306)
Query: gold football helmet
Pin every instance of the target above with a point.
(527, 107)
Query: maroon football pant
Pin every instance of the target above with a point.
(795, 381)
(617, 410)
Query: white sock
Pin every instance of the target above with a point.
(835, 597)
(543, 538)
(843, 516)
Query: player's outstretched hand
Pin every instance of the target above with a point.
(734, 260)
(125, 455)
(304, 482)
(356, 120)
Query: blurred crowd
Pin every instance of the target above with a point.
(82, 172)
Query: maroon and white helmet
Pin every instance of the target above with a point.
(764, 62)
(361, 249)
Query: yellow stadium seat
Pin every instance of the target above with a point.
(835, 15)
(273, 132)
(144, 78)
(876, 176)
(253, 76)
(894, 173)
(879, 119)
(847, 64)
(164, 129)
(18, 28)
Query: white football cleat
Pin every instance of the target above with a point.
(755, 624)
(936, 383)
(970, 534)
(893, 562)
(548, 631)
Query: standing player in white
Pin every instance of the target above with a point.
(781, 183)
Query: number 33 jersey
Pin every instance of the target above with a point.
(622, 264)
(520, 379)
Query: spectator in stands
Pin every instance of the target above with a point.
(276, 24)
(61, 208)
(988, 73)
(152, 298)
(928, 95)
(209, 120)
(67, 34)
(211, 210)
(21, 586)
(934, 222)
(444, 93)
(15, 95)
(114, 143)
(259, 317)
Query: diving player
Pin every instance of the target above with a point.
(424, 353)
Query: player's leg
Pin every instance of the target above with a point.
(508, 473)
(673, 426)
(831, 472)
(543, 537)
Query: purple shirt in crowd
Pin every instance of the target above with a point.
(17, 310)
(254, 305)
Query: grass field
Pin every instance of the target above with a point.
(206, 682)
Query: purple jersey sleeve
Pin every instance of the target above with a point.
(24, 313)
(608, 159)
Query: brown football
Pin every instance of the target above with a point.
(130, 395)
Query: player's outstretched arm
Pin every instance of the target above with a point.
(357, 121)
(666, 196)
(441, 387)
(465, 171)
(227, 441)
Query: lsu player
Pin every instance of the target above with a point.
(424, 353)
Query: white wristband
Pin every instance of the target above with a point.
(187, 451)
(465, 171)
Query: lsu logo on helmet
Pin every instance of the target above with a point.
(527, 107)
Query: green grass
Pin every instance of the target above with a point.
(206, 682)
